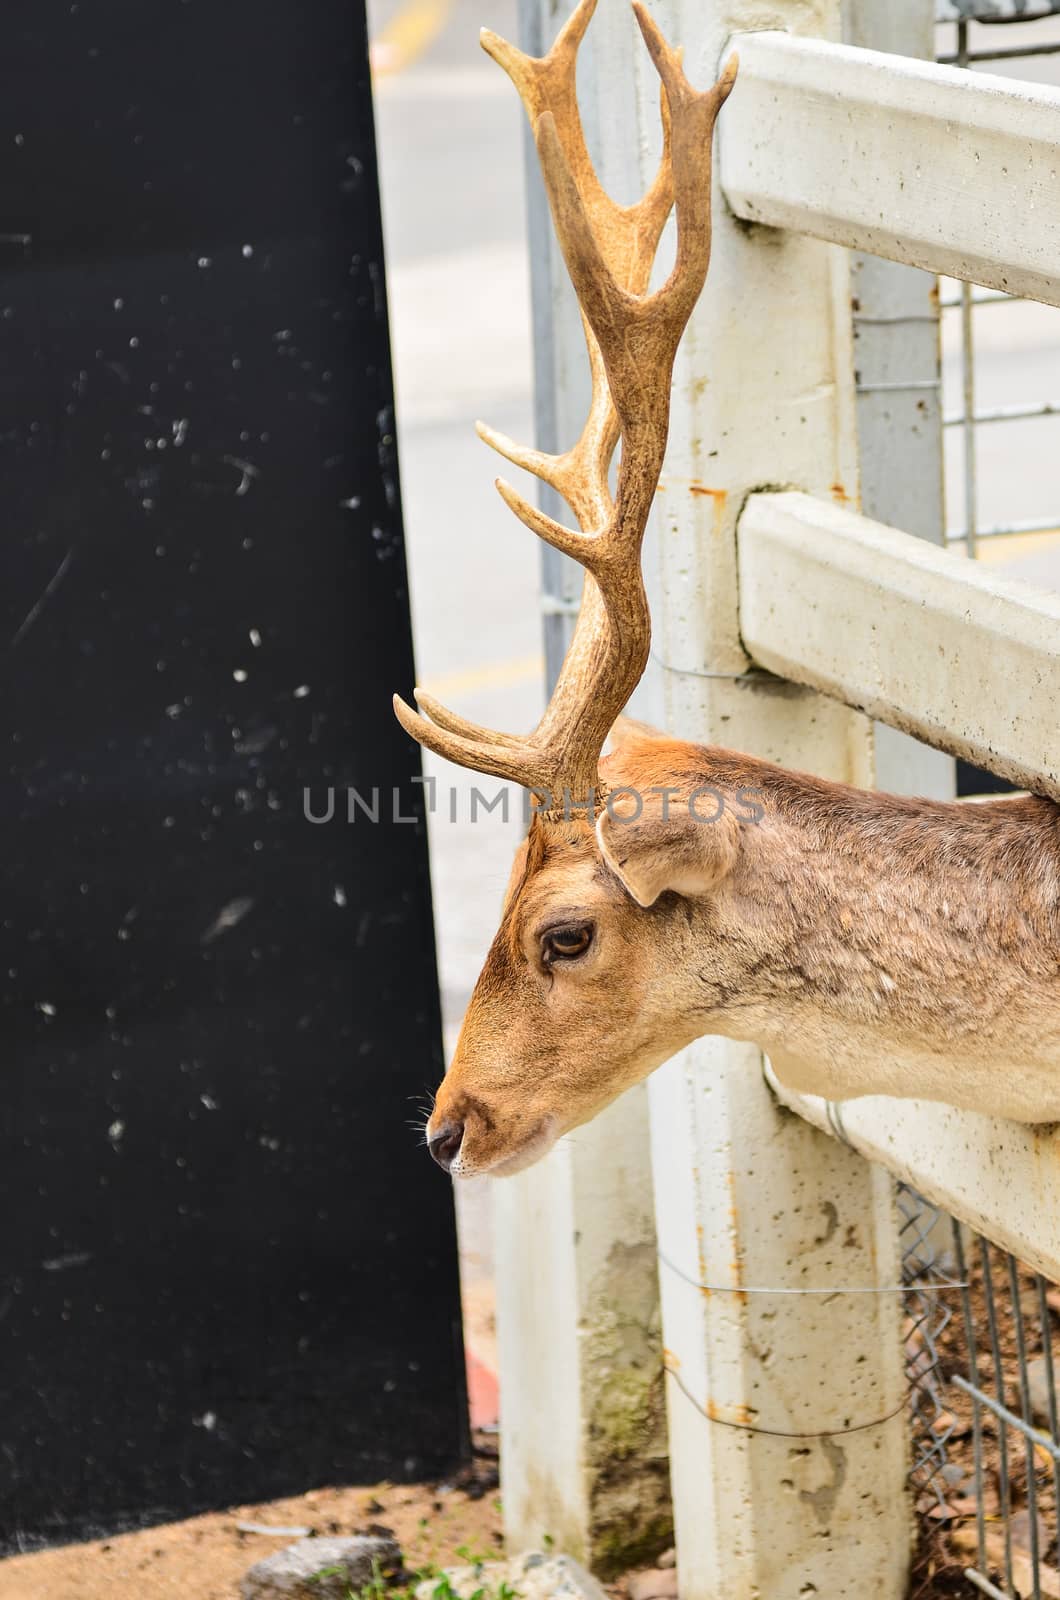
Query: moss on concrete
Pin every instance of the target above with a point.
(630, 1514)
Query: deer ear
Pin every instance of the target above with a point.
(656, 842)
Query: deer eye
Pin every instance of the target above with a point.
(566, 944)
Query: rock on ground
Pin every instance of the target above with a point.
(660, 1583)
(1038, 1384)
(531, 1577)
(318, 1569)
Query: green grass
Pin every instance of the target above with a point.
(378, 1586)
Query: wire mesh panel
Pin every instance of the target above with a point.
(973, 467)
(982, 1337)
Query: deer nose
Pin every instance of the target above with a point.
(445, 1144)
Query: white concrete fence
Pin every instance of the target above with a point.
(769, 1244)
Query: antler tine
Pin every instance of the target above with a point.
(526, 72)
(451, 723)
(588, 548)
(579, 474)
(694, 115)
(481, 749)
(547, 83)
(538, 462)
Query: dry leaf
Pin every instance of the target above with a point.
(965, 1540)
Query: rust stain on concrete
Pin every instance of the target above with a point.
(740, 1415)
(735, 1265)
(701, 1258)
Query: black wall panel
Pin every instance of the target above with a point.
(226, 1271)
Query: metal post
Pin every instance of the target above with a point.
(971, 491)
(895, 313)
(583, 1411)
(787, 1435)
(561, 372)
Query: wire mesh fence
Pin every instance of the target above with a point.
(995, 11)
(982, 1335)
(973, 41)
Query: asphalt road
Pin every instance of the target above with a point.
(451, 160)
(450, 139)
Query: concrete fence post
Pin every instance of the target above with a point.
(787, 1432)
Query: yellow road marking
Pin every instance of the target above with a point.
(495, 675)
(1012, 545)
(407, 35)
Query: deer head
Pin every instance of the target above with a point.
(567, 959)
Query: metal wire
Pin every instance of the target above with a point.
(1019, 413)
(971, 492)
(988, 1358)
(1011, 54)
(1008, 530)
(981, 297)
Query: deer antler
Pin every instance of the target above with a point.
(632, 338)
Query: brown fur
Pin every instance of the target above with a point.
(871, 944)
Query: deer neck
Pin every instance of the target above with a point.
(881, 945)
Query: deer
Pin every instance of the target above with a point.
(868, 943)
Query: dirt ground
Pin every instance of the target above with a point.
(204, 1559)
